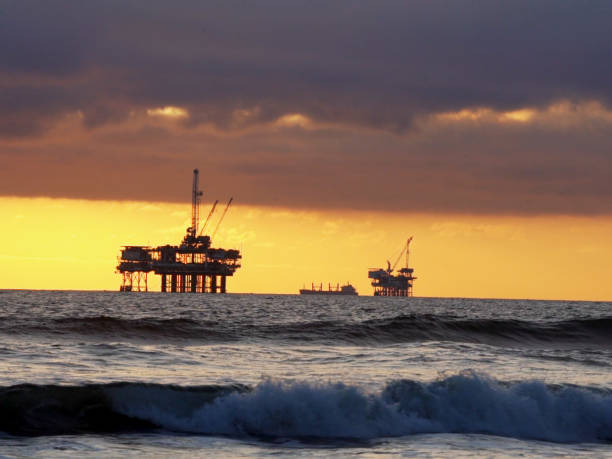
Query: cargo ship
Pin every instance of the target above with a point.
(347, 289)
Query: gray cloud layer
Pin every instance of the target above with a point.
(377, 69)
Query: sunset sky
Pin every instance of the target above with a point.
(483, 129)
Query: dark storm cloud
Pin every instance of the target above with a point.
(375, 63)
(376, 68)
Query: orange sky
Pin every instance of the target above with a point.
(482, 131)
(73, 244)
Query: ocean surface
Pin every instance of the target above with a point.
(105, 374)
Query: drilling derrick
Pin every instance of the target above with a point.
(193, 266)
(386, 283)
(195, 205)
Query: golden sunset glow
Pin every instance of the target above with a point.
(560, 114)
(484, 114)
(74, 244)
(293, 119)
(522, 116)
(170, 112)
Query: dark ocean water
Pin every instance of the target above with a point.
(99, 374)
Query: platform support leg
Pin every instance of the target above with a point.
(213, 283)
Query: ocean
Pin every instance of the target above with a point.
(108, 374)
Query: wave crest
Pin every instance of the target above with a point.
(462, 403)
(398, 329)
(465, 403)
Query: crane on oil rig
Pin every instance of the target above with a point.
(406, 250)
(196, 195)
(221, 219)
(212, 211)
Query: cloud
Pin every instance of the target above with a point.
(423, 106)
(377, 64)
(556, 160)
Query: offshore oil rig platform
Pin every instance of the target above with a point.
(193, 266)
(385, 283)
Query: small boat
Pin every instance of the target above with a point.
(347, 289)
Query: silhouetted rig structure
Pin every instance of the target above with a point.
(387, 284)
(194, 266)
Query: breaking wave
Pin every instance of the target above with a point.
(403, 328)
(463, 403)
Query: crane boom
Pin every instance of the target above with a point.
(221, 219)
(405, 249)
(392, 268)
(212, 211)
(408, 250)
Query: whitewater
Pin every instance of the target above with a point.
(99, 374)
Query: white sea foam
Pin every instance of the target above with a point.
(464, 403)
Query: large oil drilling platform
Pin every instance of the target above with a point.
(193, 266)
(385, 283)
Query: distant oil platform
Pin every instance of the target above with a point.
(193, 266)
(386, 283)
